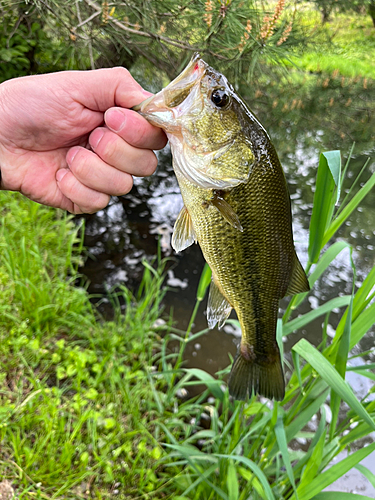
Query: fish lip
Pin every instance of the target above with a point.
(157, 103)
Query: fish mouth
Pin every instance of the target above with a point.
(163, 108)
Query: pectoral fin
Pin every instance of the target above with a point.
(226, 211)
(298, 282)
(183, 232)
(218, 308)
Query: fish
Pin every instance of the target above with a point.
(237, 207)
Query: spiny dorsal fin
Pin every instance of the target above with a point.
(183, 231)
(226, 211)
(298, 281)
(218, 308)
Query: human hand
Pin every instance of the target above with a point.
(68, 139)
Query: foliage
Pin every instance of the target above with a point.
(328, 7)
(229, 33)
(90, 407)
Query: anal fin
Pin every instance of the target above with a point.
(183, 231)
(298, 281)
(218, 308)
(250, 375)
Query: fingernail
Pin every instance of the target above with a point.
(61, 173)
(96, 137)
(71, 154)
(115, 119)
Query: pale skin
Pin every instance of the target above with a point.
(70, 140)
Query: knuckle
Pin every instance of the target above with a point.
(121, 72)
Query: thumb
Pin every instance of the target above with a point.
(101, 89)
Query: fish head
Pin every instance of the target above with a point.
(200, 112)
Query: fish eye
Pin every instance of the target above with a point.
(220, 98)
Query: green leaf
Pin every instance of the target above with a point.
(341, 360)
(255, 469)
(331, 475)
(232, 482)
(367, 473)
(212, 383)
(297, 368)
(352, 205)
(334, 163)
(303, 320)
(327, 176)
(204, 282)
(339, 495)
(314, 463)
(332, 378)
(362, 325)
(283, 447)
(304, 416)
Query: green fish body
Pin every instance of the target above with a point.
(237, 206)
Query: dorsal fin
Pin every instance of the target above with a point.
(226, 211)
(218, 308)
(298, 281)
(183, 231)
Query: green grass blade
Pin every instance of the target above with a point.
(367, 473)
(256, 470)
(232, 482)
(308, 491)
(212, 383)
(303, 320)
(297, 368)
(342, 356)
(352, 187)
(204, 282)
(305, 416)
(335, 495)
(362, 325)
(325, 260)
(334, 163)
(313, 464)
(332, 378)
(352, 205)
(326, 179)
(283, 447)
(362, 371)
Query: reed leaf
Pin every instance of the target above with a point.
(303, 320)
(367, 473)
(328, 177)
(283, 447)
(324, 479)
(349, 208)
(332, 378)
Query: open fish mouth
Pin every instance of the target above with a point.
(163, 108)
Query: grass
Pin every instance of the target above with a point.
(93, 408)
(75, 406)
(342, 46)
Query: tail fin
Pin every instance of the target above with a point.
(248, 376)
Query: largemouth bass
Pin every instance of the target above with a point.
(237, 206)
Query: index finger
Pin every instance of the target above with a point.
(134, 129)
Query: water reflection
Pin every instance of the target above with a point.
(121, 236)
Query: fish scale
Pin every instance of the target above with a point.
(237, 206)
